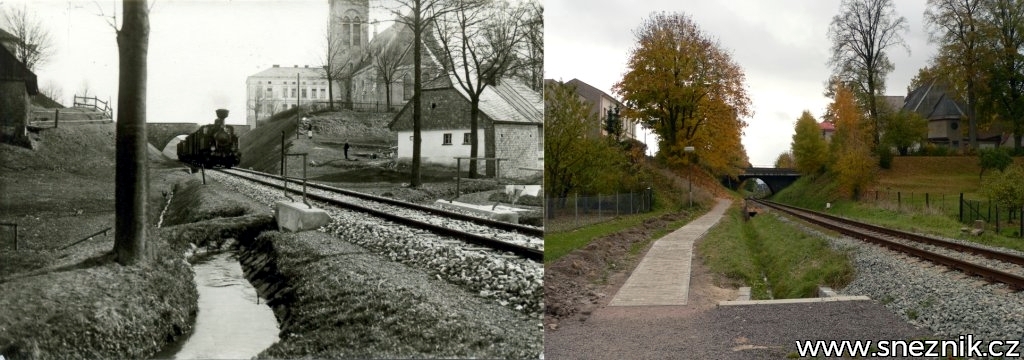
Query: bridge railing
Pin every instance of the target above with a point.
(575, 211)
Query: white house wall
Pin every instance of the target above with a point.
(432, 149)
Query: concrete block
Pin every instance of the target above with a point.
(825, 292)
(296, 216)
(499, 213)
(744, 294)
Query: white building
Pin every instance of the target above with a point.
(281, 88)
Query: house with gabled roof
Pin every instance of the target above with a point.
(600, 102)
(511, 127)
(947, 117)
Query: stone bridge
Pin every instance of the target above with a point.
(159, 134)
(776, 178)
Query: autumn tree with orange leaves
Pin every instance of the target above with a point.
(851, 145)
(687, 88)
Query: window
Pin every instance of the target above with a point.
(447, 139)
(407, 87)
(314, 94)
(270, 92)
(294, 93)
(356, 41)
(465, 138)
(323, 93)
(304, 94)
(346, 30)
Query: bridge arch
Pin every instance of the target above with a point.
(775, 178)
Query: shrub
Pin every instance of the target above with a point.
(994, 159)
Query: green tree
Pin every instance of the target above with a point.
(903, 129)
(574, 163)
(685, 87)
(997, 159)
(810, 152)
(1003, 31)
(861, 33)
(785, 161)
(1006, 189)
(955, 26)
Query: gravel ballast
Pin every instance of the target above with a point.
(506, 280)
(947, 302)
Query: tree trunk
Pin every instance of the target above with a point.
(417, 85)
(330, 89)
(972, 124)
(474, 147)
(873, 109)
(387, 94)
(132, 174)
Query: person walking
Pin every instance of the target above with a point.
(346, 150)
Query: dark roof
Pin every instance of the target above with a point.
(589, 91)
(398, 36)
(509, 101)
(4, 35)
(934, 102)
(13, 69)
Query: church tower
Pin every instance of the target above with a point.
(350, 22)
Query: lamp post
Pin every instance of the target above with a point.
(689, 176)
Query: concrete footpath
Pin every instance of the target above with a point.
(663, 275)
(666, 310)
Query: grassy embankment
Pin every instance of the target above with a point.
(793, 262)
(77, 302)
(351, 303)
(939, 177)
(669, 193)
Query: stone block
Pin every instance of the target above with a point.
(499, 213)
(296, 216)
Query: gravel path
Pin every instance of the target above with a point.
(727, 332)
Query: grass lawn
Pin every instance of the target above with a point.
(942, 178)
(793, 262)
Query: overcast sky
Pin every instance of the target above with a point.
(200, 51)
(782, 45)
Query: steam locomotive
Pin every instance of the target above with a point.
(211, 146)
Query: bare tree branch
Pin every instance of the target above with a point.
(34, 44)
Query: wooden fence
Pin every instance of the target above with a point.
(86, 110)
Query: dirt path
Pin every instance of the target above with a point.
(585, 280)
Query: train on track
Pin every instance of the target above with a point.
(211, 146)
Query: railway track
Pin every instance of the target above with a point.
(523, 241)
(998, 266)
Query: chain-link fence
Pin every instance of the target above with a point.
(576, 211)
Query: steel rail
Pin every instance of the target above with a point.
(522, 229)
(980, 251)
(526, 252)
(1014, 281)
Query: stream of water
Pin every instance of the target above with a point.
(233, 322)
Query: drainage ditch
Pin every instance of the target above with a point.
(241, 294)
